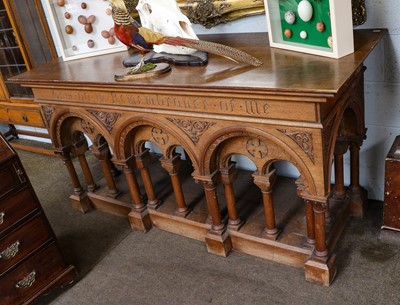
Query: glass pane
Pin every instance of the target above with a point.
(11, 59)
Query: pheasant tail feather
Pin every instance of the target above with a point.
(214, 48)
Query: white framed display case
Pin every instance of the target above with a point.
(82, 28)
(320, 27)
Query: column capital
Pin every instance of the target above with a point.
(171, 165)
(265, 182)
(229, 173)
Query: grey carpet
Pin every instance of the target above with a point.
(120, 267)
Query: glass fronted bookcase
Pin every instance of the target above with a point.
(25, 42)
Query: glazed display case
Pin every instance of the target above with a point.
(25, 42)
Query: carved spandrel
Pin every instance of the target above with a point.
(193, 129)
(48, 111)
(303, 139)
(108, 119)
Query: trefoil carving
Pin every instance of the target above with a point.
(257, 148)
(159, 136)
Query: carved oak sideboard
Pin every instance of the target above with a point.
(296, 108)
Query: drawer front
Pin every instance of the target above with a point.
(31, 117)
(31, 277)
(16, 206)
(21, 242)
(11, 177)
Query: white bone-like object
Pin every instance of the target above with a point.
(165, 17)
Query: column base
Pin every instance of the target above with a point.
(182, 212)
(235, 225)
(140, 220)
(270, 234)
(219, 244)
(358, 202)
(114, 194)
(153, 204)
(320, 271)
(80, 202)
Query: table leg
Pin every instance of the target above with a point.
(79, 199)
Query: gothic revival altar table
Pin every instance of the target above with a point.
(298, 108)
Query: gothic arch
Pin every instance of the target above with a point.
(164, 137)
(68, 123)
(269, 149)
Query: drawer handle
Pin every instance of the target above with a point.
(25, 118)
(2, 217)
(11, 251)
(27, 281)
(19, 172)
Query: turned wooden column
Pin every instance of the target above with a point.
(213, 204)
(133, 185)
(310, 222)
(139, 217)
(217, 239)
(143, 160)
(354, 167)
(358, 196)
(114, 170)
(339, 192)
(228, 175)
(102, 153)
(64, 154)
(79, 150)
(266, 183)
(79, 198)
(172, 167)
(320, 229)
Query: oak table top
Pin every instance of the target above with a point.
(282, 70)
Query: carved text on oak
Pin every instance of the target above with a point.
(240, 106)
(198, 104)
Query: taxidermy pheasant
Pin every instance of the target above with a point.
(133, 35)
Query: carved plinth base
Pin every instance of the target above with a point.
(80, 202)
(140, 220)
(219, 244)
(182, 213)
(358, 202)
(271, 234)
(320, 271)
(235, 225)
(154, 204)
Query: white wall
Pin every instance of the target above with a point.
(382, 87)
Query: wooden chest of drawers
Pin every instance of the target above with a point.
(30, 259)
(391, 206)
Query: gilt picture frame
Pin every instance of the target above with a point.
(319, 27)
(82, 28)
